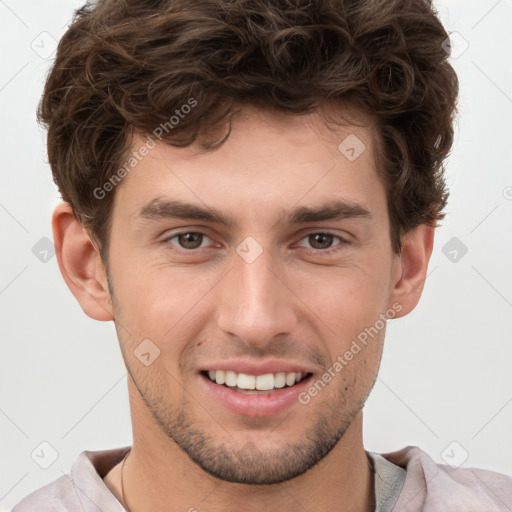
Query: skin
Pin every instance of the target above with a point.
(294, 303)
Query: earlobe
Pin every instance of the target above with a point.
(413, 261)
(78, 262)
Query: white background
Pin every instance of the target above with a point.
(446, 371)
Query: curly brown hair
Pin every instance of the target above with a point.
(126, 66)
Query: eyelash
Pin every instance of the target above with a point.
(321, 251)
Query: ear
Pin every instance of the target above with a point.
(80, 264)
(411, 271)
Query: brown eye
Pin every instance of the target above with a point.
(320, 240)
(188, 240)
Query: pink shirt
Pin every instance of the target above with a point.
(422, 485)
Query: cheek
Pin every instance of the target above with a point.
(159, 294)
(164, 305)
(347, 300)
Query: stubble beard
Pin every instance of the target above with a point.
(247, 463)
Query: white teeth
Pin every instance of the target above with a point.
(231, 379)
(279, 380)
(264, 382)
(245, 381)
(290, 379)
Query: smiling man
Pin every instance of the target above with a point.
(250, 193)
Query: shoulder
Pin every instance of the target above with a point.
(83, 490)
(429, 484)
(57, 495)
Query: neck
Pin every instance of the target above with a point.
(158, 475)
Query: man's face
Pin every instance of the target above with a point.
(264, 294)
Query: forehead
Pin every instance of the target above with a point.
(269, 158)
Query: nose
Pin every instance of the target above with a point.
(256, 302)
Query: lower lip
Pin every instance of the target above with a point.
(255, 405)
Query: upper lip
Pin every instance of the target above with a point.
(257, 367)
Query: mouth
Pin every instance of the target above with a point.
(255, 384)
(254, 395)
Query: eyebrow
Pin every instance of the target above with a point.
(159, 209)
